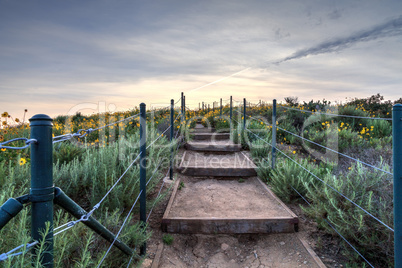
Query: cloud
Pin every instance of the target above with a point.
(387, 29)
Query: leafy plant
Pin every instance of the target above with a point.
(167, 239)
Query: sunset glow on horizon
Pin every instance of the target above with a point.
(58, 56)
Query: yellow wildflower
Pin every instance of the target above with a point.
(22, 161)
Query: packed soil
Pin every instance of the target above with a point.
(220, 251)
(200, 197)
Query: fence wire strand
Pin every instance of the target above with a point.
(159, 192)
(27, 141)
(315, 176)
(25, 247)
(322, 146)
(121, 228)
(338, 115)
(361, 255)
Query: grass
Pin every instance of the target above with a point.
(85, 173)
(167, 239)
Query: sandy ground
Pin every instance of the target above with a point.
(212, 198)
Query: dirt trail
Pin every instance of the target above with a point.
(236, 198)
(219, 251)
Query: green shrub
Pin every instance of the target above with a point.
(65, 152)
(380, 129)
(369, 189)
(222, 124)
(288, 174)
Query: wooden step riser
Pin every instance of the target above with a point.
(213, 148)
(218, 172)
(229, 226)
(211, 136)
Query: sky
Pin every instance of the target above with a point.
(60, 57)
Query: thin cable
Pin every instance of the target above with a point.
(357, 160)
(161, 135)
(347, 198)
(160, 189)
(336, 231)
(235, 120)
(114, 185)
(78, 134)
(156, 169)
(177, 101)
(315, 176)
(28, 142)
(259, 119)
(5, 256)
(121, 228)
(70, 224)
(340, 115)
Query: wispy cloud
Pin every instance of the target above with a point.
(389, 28)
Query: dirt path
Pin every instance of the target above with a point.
(233, 198)
(253, 251)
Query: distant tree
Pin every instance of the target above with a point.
(292, 101)
(398, 101)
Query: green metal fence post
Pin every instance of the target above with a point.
(244, 113)
(143, 172)
(42, 188)
(182, 102)
(231, 111)
(221, 107)
(397, 166)
(273, 133)
(171, 138)
(184, 108)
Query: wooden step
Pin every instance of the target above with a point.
(211, 136)
(236, 164)
(224, 146)
(227, 207)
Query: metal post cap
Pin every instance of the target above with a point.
(41, 120)
(142, 104)
(397, 107)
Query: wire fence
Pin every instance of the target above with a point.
(24, 248)
(242, 113)
(275, 148)
(336, 115)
